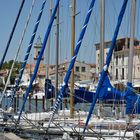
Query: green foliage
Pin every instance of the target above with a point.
(7, 65)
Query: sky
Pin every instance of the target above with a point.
(9, 10)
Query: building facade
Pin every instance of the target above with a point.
(82, 71)
(119, 64)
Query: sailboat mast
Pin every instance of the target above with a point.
(28, 51)
(39, 57)
(48, 47)
(108, 59)
(132, 33)
(102, 23)
(72, 53)
(57, 52)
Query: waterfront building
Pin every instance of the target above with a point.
(119, 64)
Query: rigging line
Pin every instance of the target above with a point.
(94, 21)
(39, 57)
(66, 57)
(135, 105)
(31, 122)
(18, 49)
(95, 29)
(11, 34)
(127, 20)
(34, 106)
(27, 52)
(115, 13)
(80, 98)
(59, 44)
(60, 127)
(96, 33)
(138, 17)
(67, 76)
(82, 106)
(62, 58)
(108, 23)
(99, 135)
(130, 88)
(83, 12)
(105, 68)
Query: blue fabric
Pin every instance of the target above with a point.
(132, 101)
(49, 89)
(83, 96)
(80, 95)
(108, 92)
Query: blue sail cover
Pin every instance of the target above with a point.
(83, 96)
(132, 101)
(49, 89)
(108, 92)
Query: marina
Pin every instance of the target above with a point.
(71, 98)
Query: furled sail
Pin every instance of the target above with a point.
(27, 52)
(39, 57)
(104, 71)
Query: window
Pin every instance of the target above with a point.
(77, 69)
(122, 59)
(116, 74)
(83, 69)
(116, 60)
(38, 53)
(98, 58)
(122, 73)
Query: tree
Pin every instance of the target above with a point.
(15, 72)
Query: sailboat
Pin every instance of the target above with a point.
(104, 83)
(53, 120)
